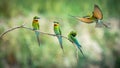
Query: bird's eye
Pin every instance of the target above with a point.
(55, 24)
(74, 34)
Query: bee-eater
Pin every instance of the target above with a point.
(58, 33)
(96, 16)
(35, 25)
(72, 38)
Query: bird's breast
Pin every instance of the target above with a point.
(35, 21)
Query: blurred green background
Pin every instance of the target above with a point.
(19, 48)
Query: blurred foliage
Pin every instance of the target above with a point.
(19, 48)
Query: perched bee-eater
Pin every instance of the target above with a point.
(58, 33)
(35, 25)
(96, 16)
(72, 38)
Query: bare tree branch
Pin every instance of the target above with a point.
(1, 35)
(22, 26)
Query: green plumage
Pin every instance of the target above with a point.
(35, 25)
(58, 33)
(72, 38)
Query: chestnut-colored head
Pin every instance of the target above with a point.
(56, 23)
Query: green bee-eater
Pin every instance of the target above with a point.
(35, 25)
(72, 38)
(58, 33)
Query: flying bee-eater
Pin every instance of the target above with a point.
(72, 38)
(96, 16)
(35, 25)
(57, 31)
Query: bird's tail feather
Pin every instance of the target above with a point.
(37, 35)
(60, 42)
(107, 25)
(81, 52)
(79, 47)
(99, 23)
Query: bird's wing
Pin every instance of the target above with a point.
(97, 13)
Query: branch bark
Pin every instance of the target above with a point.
(22, 26)
(1, 35)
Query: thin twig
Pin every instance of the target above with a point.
(10, 30)
(22, 26)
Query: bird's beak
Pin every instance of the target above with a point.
(38, 17)
(54, 22)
